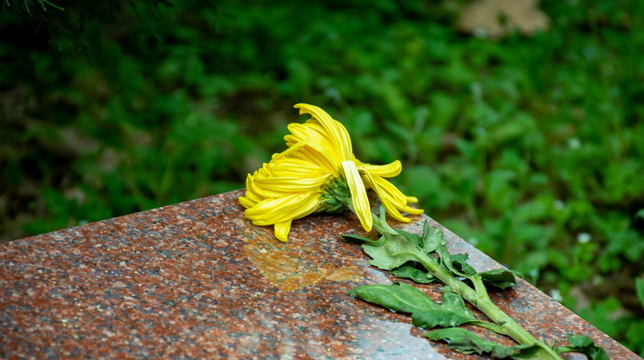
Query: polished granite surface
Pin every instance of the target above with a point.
(196, 280)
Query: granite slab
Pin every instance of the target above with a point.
(196, 280)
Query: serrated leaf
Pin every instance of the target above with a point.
(396, 250)
(362, 239)
(433, 318)
(580, 341)
(414, 238)
(498, 278)
(399, 297)
(446, 261)
(459, 261)
(585, 345)
(465, 342)
(517, 274)
(452, 312)
(432, 238)
(409, 271)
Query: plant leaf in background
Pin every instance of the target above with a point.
(639, 287)
(640, 213)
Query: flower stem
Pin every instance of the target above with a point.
(477, 297)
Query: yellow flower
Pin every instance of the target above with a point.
(311, 174)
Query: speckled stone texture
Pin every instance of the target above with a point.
(196, 280)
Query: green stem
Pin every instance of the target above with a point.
(477, 297)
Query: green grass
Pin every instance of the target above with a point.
(528, 147)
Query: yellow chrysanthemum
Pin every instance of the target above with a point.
(301, 180)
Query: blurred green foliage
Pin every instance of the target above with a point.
(531, 148)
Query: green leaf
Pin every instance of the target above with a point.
(414, 238)
(432, 238)
(399, 297)
(409, 271)
(396, 250)
(362, 239)
(640, 213)
(639, 286)
(465, 342)
(498, 278)
(452, 312)
(459, 261)
(446, 261)
(424, 311)
(585, 345)
(580, 341)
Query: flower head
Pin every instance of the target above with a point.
(318, 172)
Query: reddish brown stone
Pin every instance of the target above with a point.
(197, 280)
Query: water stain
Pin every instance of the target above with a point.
(291, 266)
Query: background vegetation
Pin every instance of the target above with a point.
(531, 148)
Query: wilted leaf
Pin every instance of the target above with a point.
(446, 260)
(424, 311)
(465, 342)
(415, 238)
(362, 239)
(396, 250)
(399, 297)
(432, 238)
(499, 278)
(408, 271)
(452, 312)
(459, 261)
(585, 345)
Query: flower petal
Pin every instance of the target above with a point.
(385, 199)
(359, 197)
(293, 206)
(337, 132)
(245, 202)
(291, 184)
(412, 199)
(292, 167)
(282, 229)
(264, 208)
(393, 191)
(311, 153)
(389, 170)
(393, 204)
